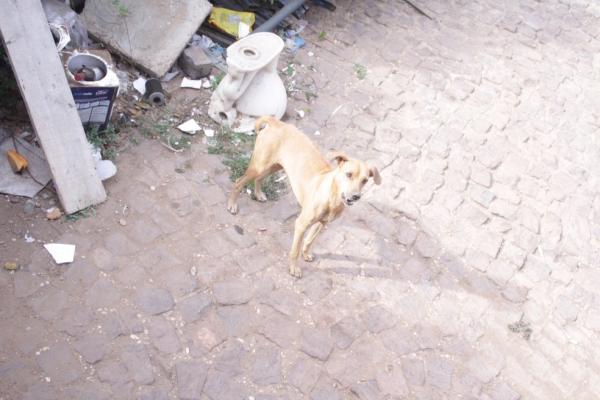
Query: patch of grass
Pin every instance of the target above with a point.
(85, 213)
(165, 131)
(121, 8)
(216, 80)
(309, 96)
(290, 70)
(361, 71)
(322, 35)
(105, 140)
(522, 328)
(236, 149)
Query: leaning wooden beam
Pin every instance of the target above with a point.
(50, 105)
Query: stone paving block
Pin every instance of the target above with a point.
(102, 294)
(326, 389)
(193, 307)
(237, 320)
(316, 342)
(163, 335)
(155, 301)
(60, 364)
(51, 303)
(303, 374)
(191, 377)
(40, 391)
(264, 365)
(228, 358)
(219, 386)
(26, 284)
(92, 347)
(366, 390)
(136, 359)
(391, 381)
(346, 331)
(377, 319)
(280, 329)
(439, 371)
(119, 244)
(232, 292)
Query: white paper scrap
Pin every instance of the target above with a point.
(209, 132)
(190, 126)
(140, 85)
(62, 253)
(191, 83)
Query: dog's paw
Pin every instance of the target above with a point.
(308, 257)
(260, 197)
(232, 208)
(295, 271)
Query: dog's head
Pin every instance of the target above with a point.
(351, 176)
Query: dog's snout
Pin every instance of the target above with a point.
(356, 197)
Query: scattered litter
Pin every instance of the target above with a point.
(194, 271)
(229, 21)
(66, 25)
(191, 83)
(11, 266)
(300, 113)
(140, 85)
(104, 168)
(61, 253)
(154, 92)
(195, 63)
(215, 51)
(310, 54)
(206, 84)
(317, 133)
(190, 126)
(29, 239)
(122, 222)
(37, 169)
(209, 132)
(123, 81)
(243, 29)
(53, 214)
(168, 77)
(292, 38)
(17, 162)
(94, 83)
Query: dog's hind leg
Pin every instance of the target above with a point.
(249, 175)
(258, 193)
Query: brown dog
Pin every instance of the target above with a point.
(322, 190)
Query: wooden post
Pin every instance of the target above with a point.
(43, 84)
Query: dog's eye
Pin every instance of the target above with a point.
(349, 174)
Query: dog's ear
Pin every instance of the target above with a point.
(374, 173)
(339, 156)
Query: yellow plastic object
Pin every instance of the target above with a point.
(17, 162)
(229, 20)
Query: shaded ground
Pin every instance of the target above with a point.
(470, 273)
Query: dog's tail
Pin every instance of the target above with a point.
(263, 122)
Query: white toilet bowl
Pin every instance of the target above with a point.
(252, 87)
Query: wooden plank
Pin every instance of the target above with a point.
(50, 105)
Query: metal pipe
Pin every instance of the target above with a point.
(279, 16)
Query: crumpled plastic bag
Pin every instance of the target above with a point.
(63, 20)
(229, 21)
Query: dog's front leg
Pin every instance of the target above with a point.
(312, 234)
(302, 224)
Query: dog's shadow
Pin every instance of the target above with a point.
(391, 255)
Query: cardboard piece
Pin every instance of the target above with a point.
(22, 184)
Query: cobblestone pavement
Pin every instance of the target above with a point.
(472, 272)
